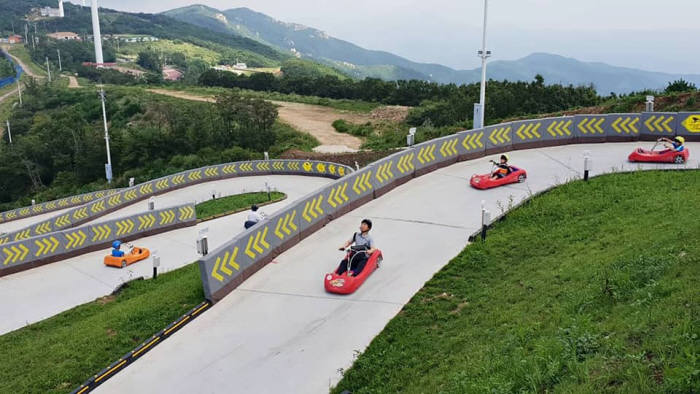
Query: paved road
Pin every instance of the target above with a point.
(42, 292)
(280, 332)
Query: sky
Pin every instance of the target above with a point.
(645, 34)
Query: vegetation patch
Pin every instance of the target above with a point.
(231, 204)
(591, 287)
(60, 353)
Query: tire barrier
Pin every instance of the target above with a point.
(140, 350)
(124, 197)
(36, 251)
(50, 206)
(228, 266)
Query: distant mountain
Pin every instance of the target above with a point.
(316, 45)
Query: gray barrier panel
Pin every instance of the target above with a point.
(227, 265)
(499, 138)
(655, 125)
(622, 127)
(471, 144)
(542, 132)
(394, 170)
(51, 206)
(688, 125)
(589, 128)
(144, 190)
(72, 241)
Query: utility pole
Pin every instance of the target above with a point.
(26, 32)
(9, 132)
(108, 167)
(19, 91)
(48, 68)
(35, 38)
(480, 109)
(60, 67)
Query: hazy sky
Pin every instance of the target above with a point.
(647, 34)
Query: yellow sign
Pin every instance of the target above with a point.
(692, 123)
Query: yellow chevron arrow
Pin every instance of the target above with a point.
(212, 171)
(616, 125)
(666, 126)
(633, 125)
(581, 126)
(186, 213)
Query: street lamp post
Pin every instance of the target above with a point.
(480, 108)
(108, 166)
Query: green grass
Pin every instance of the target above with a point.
(60, 353)
(168, 46)
(23, 54)
(231, 204)
(592, 287)
(340, 104)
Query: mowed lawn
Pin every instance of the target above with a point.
(592, 287)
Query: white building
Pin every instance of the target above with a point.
(53, 12)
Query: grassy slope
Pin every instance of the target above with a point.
(58, 354)
(168, 46)
(589, 288)
(343, 105)
(229, 204)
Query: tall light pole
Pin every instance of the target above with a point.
(96, 34)
(108, 166)
(9, 132)
(480, 108)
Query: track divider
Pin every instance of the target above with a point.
(141, 349)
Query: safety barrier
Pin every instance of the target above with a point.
(124, 197)
(50, 206)
(140, 350)
(228, 266)
(32, 252)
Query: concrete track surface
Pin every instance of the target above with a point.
(43, 292)
(280, 332)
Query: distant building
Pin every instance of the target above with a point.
(64, 36)
(241, 66)
(131, 38)
(228, 69)
(14, 39)
(52, 12)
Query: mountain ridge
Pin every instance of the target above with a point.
(314, 44)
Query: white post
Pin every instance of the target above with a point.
(9, 132)
(96, 34)
(484, 55)
(60, 67)
(19, 91)
(104, 119)
(48, 68)
(60, 9)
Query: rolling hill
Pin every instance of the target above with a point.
(314, 44)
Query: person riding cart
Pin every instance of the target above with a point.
(362, 247)
(502, 168)
(676, 144)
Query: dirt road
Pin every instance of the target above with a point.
(72, 82)
(314, 119)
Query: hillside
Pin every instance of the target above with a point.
(314, 44)
(78, 20)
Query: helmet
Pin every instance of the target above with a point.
(116, 244)
(681, 140)
(254, 208)
(367, 222)
(504, 156)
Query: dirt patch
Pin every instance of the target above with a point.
(392, 113)
(73, 82)
(362, 158)
(111, 333)
(106, 299)
(316, 120)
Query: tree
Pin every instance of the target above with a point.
(680, 85)
(150, 60)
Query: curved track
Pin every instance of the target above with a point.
(42, 292)
(280, 332)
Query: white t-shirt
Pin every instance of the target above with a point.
(254, 217)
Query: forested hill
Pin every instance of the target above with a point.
(78, 20)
